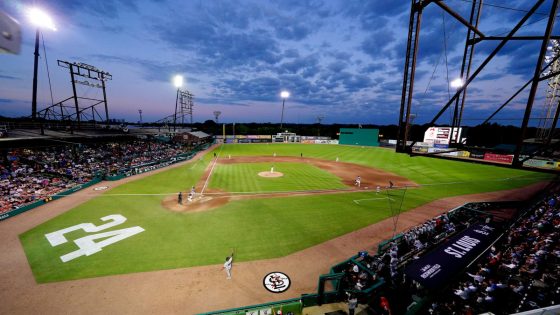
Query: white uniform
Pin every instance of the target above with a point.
(227, 266)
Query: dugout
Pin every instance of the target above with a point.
(359, 136)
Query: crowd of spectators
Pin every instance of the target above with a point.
(385, 269)
(28, 175)
(521, 272)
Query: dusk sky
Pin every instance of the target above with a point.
(341, 59)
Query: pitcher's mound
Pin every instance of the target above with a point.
(271, 174)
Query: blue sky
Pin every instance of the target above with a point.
(339, 59)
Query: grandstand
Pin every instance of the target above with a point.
(37, 168)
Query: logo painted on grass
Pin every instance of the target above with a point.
(86, 244)
(101, 188)
(276, 282)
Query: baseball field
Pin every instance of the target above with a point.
(140, 226)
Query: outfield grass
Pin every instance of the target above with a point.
(257, 228)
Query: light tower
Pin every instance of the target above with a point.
(140, 112)
(319, 120)
(284, 95)
(217, 114)
(549, 118)
(41, 20)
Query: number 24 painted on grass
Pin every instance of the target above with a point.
(86, 244)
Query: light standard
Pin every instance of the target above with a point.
(178, 83)
(284, 95)
(217, 114)
(140, 112)
(39, 19)
(457, 84)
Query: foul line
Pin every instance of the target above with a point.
(208, 178)
(357, 201)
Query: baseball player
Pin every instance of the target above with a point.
(358, 181)
(180, 198)
(227, 265)
(190, 198)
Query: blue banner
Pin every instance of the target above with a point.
(445, 262)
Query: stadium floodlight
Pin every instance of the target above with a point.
(178, 81)
(457, 83)
(40, 19)
(284, 95)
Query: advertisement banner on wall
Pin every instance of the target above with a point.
(501, 158)
(477, 155)
(548, 164)
(441, 135)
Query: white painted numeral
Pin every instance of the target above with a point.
(86, 244)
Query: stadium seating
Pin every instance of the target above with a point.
(29, 175)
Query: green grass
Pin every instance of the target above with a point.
(257, 228)
(243, 177)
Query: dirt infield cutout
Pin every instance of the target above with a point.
(271, 174)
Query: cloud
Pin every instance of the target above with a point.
(105, 9)
(378, 42)
(9, 77)
(306, 66)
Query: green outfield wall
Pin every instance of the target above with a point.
(359, 136)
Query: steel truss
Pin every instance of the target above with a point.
(474, 36)
(183, 106)
(66, 111)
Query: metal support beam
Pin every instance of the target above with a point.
(175, 115)
(75, 94)
(477, 40)
(105, 98)
(468, 51)
(523, 88)
(487, 60)
(471, 54)
(458, 17)
(409, 72)
(35, 66)
(534, 86)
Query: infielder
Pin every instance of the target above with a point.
(227, 265)
(358, 181)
